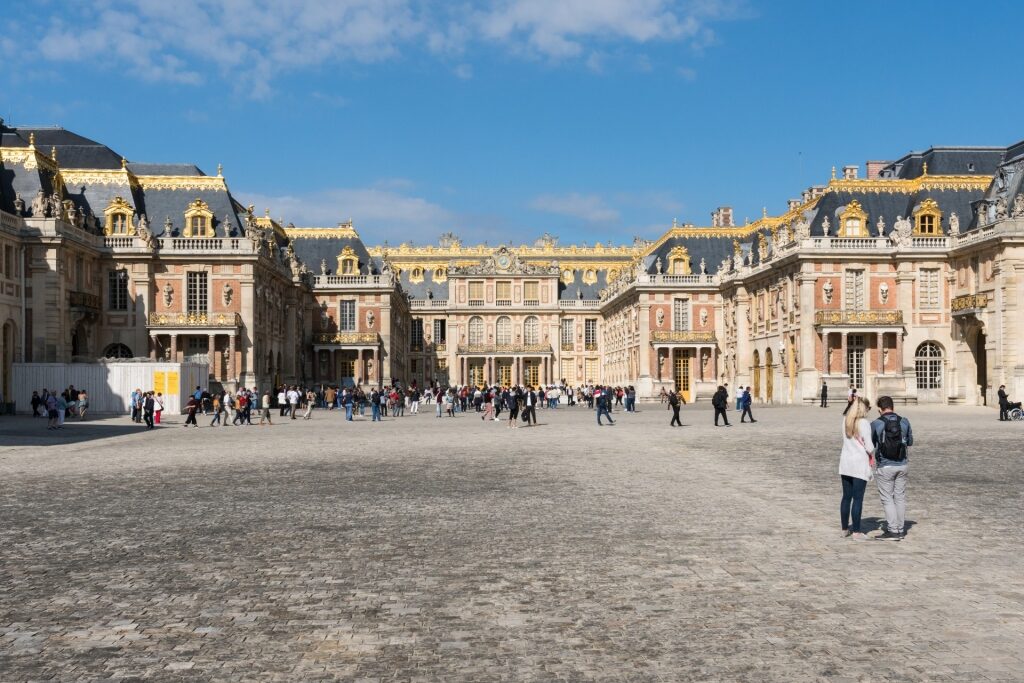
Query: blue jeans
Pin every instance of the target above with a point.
(376, 413)
(853, 500)
(348, 412)
(604, 411)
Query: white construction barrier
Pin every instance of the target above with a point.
(110, 383)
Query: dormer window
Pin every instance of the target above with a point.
(118, 218)
(440, 275)
(854, 221)
(348, 262)
(928, 219)
(416, 275)
(198, 220)
(679, 261)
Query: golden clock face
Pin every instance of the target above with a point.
(504, 261)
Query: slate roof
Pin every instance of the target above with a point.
(73, 150)
(947, 161)
(311, 250)
(890, 205)
(711, 249)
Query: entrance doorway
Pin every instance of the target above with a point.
(476, 373)
(504, 373)
(681, 373)
(531, 373)
(855, 359)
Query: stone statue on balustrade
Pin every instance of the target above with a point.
(902, 233)
(19, 205)
(1001, 211)
(1018, 206)
(144, 234)
(39, 205)
(954, 224)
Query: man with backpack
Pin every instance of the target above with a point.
(720, 401)
(673, 402)
(892, 438)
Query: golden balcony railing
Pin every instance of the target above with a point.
(568, 346)
(683, 336)
(969, 302)
(195, 319)
(504, 348)
(83, 300)
(345, 338)
(852, 317)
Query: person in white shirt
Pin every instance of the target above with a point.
(855, 466)
(293, 401)
(282, 402)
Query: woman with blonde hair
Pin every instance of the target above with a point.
(855, 465)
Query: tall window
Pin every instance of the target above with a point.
(531, 330)
(854, 291)
(117, 290)
(680, 314)
(502, 291)
(196, 292)
(928, 364)
(568, 333)
(476, 293)
(440, 331)
(531, 292)
(199, 226)
(476, 330)
(929, 295)
(347, 315)
(119, 223)
(568, 370)
(416, 335)
(590, 334)
(503, 330)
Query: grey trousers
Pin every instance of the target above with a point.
(892, 490)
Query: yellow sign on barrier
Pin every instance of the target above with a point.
(160, 381)
(173, 383)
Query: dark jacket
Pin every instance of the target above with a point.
(1004, 400)
(720, 399)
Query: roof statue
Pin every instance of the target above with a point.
(954, 223)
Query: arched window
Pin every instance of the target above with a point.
(854, 221)
(476, 330)
(927, 218)
(928, 364)
(118, 218)
(198, 219)
(503, 330)
(531, 330)
(117, 351)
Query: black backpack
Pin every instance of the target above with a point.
(892, 446)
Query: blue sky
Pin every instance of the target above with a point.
(503, 120)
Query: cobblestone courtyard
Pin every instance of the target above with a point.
(424, 549)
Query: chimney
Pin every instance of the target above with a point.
(874, 169)
(793, 203)
(850, 172)
(722, 217)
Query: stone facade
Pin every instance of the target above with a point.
(908, 282)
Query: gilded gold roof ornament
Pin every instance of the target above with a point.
(31, 139)
(924, 169)
(220, 170)
(53, 152)
(124, 163)
(833, 173)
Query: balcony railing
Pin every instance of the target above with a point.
(503, 303)
(590, 346)
(198, 319)
(531, 303)
(969, 302)
(429, 303)
(579, 303)
(568, 346)
(683, 336)
(851, 317)
(504, 348)
(332, 281)
(84, 300)
(345, 338)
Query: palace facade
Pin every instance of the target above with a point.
(907, 281)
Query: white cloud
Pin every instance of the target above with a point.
(253, 42)
(687, 73)
(587, 207)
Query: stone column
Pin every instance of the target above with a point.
(899, 352)
(211, 354)
(152, 346)
(880, 336)
(714, 363)
(842, 352)
(231, 358)
(360, 368)
(174, 348)
(824, 353)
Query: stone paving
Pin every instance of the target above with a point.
(425, 549)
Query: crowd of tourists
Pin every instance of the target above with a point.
(57, 407)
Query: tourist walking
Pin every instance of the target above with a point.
(892, 437)
(293, 401)
(530, 407)
(191, 408)
(265, 406)
(855, 467)
(824, 394)
(512, 404)
(51, 410)
(149, 409)
(720, 402)
(745, 401)
(217, 409)
(604, 403)
(83, 403)
(375, 406)
(158, 407)
(673, 403)
(310, 402)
